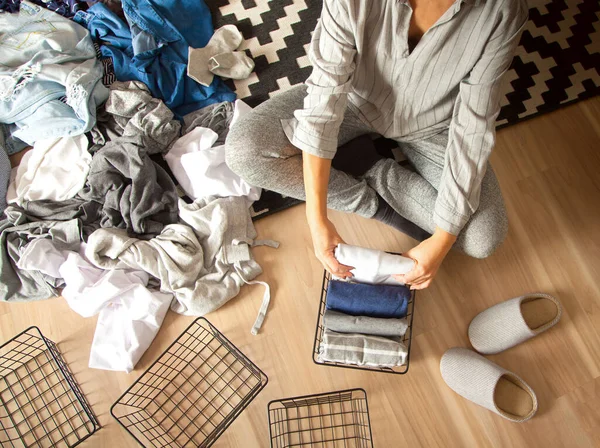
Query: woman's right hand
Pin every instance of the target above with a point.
(325, 239)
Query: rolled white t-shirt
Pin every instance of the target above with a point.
(373, 266)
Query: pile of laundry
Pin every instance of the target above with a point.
(100, 97)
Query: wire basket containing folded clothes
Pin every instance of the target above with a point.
(192, 393)
(41, 404)
(366, 325)
(334, 419)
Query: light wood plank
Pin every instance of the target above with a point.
(549, 169)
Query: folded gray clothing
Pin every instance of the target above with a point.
(16, 232)
(216, 116)
(190, 263)
(344, 323)
(362, 350)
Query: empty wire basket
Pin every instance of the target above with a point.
(406, 339)
(192, 393)
(330, 420)
(42, 405)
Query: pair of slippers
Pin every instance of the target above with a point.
(492, 331)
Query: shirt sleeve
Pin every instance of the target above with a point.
(332, 52)
(472, 132)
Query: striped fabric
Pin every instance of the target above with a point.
(361, 350)
(451, 79)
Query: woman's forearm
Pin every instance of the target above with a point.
(316, 182)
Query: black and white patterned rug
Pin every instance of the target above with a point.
(557, 62)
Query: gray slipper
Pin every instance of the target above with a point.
(514, 321)
(487, 384)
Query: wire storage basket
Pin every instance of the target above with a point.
(41, 404)
(192, 393)
(329, 420)
(406, 339)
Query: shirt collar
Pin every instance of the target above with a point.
(457, 3)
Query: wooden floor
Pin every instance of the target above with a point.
(549, 170)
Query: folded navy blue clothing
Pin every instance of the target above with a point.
(360, 299)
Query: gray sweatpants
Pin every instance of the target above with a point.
(258, 150)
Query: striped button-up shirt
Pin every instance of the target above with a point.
(450, 80)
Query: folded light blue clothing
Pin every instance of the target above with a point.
(153, 49)
(360, 299)
(379, 326)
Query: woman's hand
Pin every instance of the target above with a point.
(324, 236)
(428, 257)
(325, 239)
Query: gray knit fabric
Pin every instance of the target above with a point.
(344, 323)
(362, 350)
(136, 194)
(475, 378)
(87, 212)
(502, 326)
(260, 153)
(5, 168)
(216, 117)
(16, 232)
(195, 264)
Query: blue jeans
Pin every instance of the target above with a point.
(153, 49)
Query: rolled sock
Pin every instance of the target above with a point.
(234, 65)
(224, 40)
(359, 299)
(388, 216)
(373, 266)
(362, 350)
(345, 323)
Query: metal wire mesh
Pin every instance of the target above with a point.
(41, 404)
(330, 420)
(406, 339)
(192, 393)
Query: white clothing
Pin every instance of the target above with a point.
(373, 266)
(55, 169)
(200, 168)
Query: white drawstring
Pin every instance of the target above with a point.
(262, 312)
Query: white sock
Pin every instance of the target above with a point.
(226, 39)
(234, 65)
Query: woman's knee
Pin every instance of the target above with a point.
(485, 232)
(241, 151)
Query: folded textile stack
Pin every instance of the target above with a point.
(105, 105)
(364, 323)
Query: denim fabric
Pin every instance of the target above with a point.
(358, 299)
(50, 79)
(66, 8)
(11, 144)
(154, 49)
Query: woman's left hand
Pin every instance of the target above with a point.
(428, 257)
